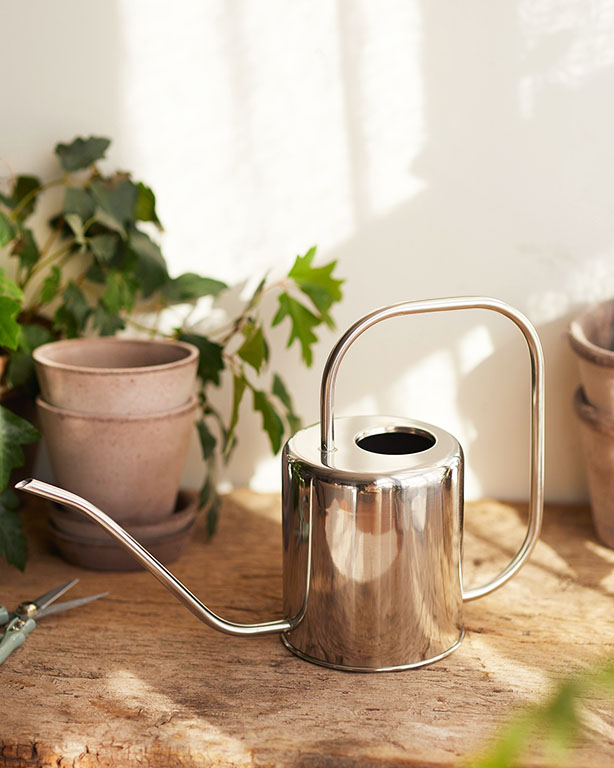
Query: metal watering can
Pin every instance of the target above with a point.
(372, 526)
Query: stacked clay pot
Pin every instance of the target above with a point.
(591, 336)
(117, 416)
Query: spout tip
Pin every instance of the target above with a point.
(23, 484)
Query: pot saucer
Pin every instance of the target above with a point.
(89, 546)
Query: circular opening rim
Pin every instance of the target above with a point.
(395, 430)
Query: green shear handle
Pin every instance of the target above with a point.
(20, 622)
(15, 635)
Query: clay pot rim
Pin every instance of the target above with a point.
(583, 346)
(181, 410)
(40, 356)
(590, 415)
(111, 544)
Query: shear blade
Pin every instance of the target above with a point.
(59, 607)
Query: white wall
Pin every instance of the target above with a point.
(433, 148)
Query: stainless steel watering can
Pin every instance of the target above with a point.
(372, 526)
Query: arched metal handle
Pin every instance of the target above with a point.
(536, 503)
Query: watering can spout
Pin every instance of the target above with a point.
(149, 562)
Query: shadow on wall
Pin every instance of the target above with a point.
(517, 171)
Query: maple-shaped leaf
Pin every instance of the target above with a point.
(14, 432)
(317, 282)
(254, 350)
(303, 321)
(271, 422)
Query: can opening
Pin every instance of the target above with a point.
(397, 441)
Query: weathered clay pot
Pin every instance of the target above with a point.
(116, 376)
(591, 336)
(597, 433)
(128, 465)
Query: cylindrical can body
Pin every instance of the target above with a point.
(372, 537)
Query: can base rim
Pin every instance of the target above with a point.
(349, 668)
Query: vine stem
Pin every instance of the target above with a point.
(33, 193)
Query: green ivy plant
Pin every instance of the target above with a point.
(98, 265)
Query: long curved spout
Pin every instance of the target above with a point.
(149, 562)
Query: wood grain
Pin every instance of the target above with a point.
(134, 679)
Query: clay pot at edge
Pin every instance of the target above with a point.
(591, 336)
(597, 434)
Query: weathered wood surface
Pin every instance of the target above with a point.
(134, 679)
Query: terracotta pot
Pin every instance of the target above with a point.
(116, 376)
(129, 466)
(597, 433)
(591, 336)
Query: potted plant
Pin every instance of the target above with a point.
(99, 270)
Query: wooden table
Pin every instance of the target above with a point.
(134, 679)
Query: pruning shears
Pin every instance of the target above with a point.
(20, 622)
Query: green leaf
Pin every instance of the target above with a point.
(7, 230)
(74, 312)
(76, 225)
(104, 247)
(77, 200)
(254, 350)
(210, 361)
(81, 153)
(146, 205)
(13, 543)
(317, 283)
(207, 439)
(119, 292)
(106, 323)
(238, 388)
(51, 285)
(26, 249)
(21, 366)
(189, 286)
(25, 186)
(117, 197)
(302, 324)
(14, 432)
(9, 327)
(96, 274)
(271, 422)
(9, 287)
(280, 392)
(109, 222)
(150, 269)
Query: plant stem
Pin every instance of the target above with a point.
(33, 193)
(144, 328)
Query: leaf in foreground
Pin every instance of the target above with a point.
(14, 432)
(12, 540)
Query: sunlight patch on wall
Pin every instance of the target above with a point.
(566, 42)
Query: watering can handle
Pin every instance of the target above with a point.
(536, 503)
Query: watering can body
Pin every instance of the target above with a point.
(372, 526)
(384, 560)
